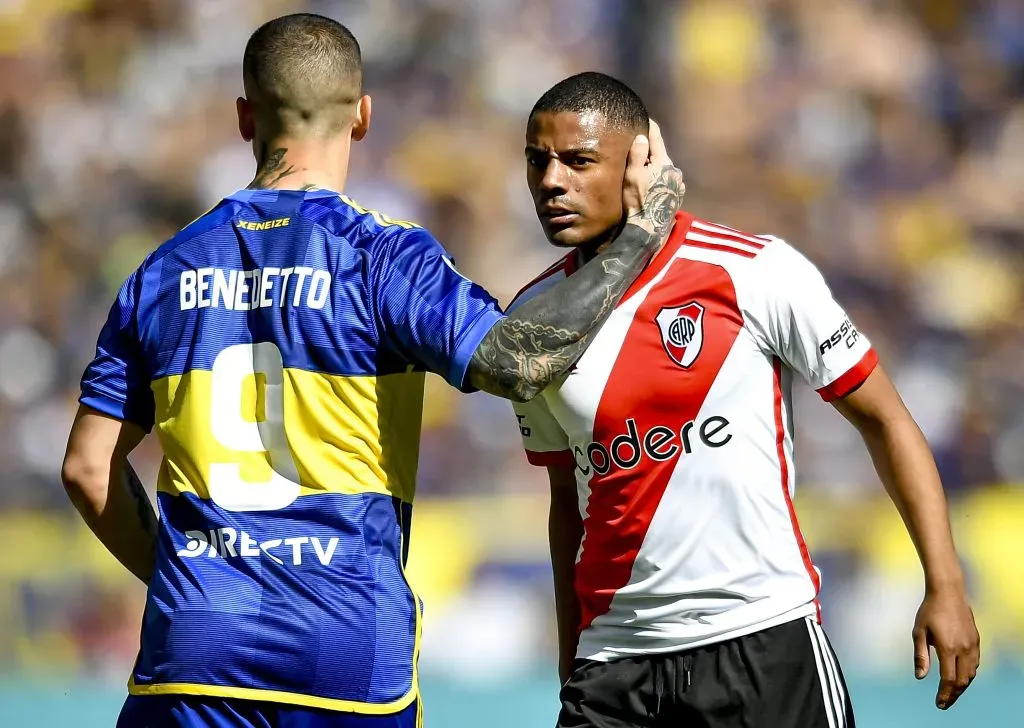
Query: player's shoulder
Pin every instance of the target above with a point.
(343, 216)
(557, 271)
(697, 237)
(758, 254)
(200, 227)
(383, 238)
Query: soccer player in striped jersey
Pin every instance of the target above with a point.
(684, 591)
(277, 345)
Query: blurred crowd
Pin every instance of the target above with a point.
(884, 138)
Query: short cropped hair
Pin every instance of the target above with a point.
(592, 91)
(302, 65)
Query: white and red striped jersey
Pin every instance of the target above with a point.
(678, 423)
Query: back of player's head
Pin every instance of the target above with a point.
(592, 91)
(304, 73)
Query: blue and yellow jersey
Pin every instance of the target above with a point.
(278, 346)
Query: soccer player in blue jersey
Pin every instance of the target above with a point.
(278, 346)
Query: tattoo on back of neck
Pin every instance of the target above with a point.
(272, 170)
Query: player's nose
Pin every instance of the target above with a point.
(555, 177)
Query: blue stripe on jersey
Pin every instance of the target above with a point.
(309, 599)
(340, 338)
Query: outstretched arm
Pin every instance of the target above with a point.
(906, 468)
(801, 323)
(527, 350)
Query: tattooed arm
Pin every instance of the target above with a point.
(106, 491)
(540, 340)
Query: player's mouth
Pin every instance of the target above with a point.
(558, 216)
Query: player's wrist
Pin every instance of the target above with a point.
(947, 580)
(638, 233)
(637, 217)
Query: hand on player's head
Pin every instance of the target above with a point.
(653, 188)
(658, 153)
(639, 158)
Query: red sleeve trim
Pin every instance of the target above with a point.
(558, 458)
(853, 378)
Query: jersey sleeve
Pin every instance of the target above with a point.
(433, 315)
(116, 382)
(543, 438)
(807, 329)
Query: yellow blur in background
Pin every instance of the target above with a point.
(455, 541)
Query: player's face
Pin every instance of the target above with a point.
(575, 165)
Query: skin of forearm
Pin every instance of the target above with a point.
(116, 507)
(907, 469)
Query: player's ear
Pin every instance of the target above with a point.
(246, 122)
(361, 125)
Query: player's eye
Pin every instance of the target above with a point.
(536, 161)
(579, 161)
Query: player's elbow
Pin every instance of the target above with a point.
(85, 481)
(529, 386)
(524, 392)
(506, 382)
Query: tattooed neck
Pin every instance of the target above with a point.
(273, 168)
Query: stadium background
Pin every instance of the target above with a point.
(885, 139)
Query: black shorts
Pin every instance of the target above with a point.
(782, 677)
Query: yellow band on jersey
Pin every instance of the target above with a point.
(275, 696)
(339, 434)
